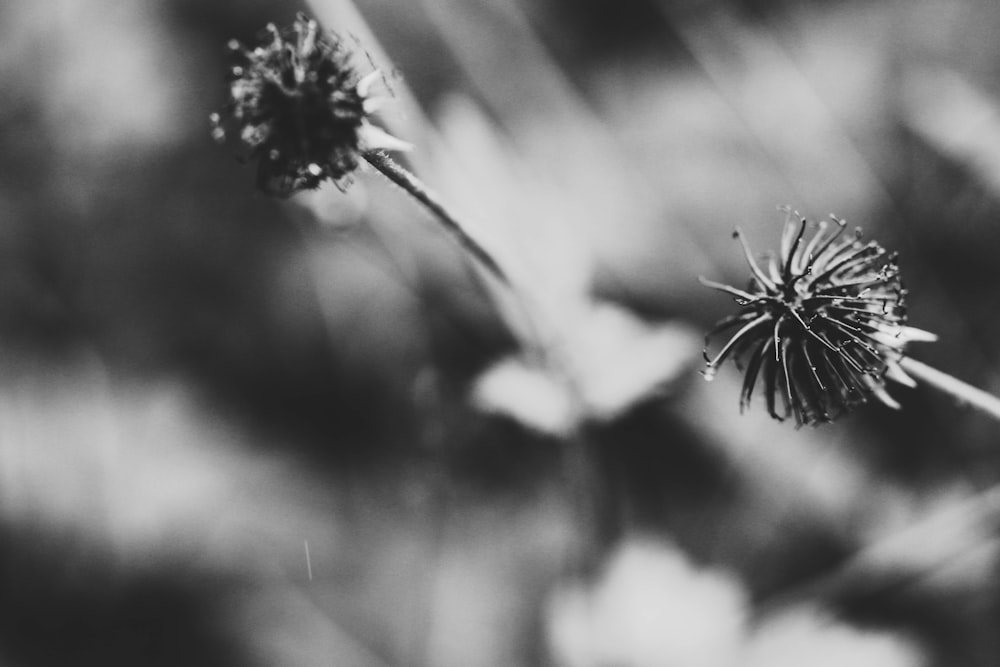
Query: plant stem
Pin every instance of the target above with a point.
(595, 501)
(590, 489)
(416, 189)
(963, 392)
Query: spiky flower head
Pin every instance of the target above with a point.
(823, 327)
(301, 108)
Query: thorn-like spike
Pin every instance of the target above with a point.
(834, 314)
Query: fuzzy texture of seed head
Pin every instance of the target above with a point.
(299, 107)
(821, 326)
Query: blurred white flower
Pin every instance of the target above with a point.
(613, 360)
(652, 608)
(581, 358)
(528, 394)
(805, 636)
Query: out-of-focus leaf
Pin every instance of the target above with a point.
(805, 636)
(105, 84)
(946, 541)
(957, 118)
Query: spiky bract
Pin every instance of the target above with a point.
(300, 107)
(822, 326)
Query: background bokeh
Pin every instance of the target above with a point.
(241, 431)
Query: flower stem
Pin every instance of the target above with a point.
(416, 189)
(595, 499)
(591, 491)
(963, 392)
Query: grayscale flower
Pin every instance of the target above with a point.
(822, 327)
(301, 108)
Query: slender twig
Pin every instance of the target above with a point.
(964, 393)
(415, 188)
(590, 493)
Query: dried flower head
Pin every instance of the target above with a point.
(823, 326)
(301, 108)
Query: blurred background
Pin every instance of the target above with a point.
(241, 431)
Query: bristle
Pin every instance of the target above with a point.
(824, 329)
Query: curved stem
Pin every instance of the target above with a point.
(963, 393)
(416, 189)
(590, 488)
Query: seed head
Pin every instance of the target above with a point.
(300, 107)
(822, 327)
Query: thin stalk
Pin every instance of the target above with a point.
(416, 189)
(963, 393)
(592, 490)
